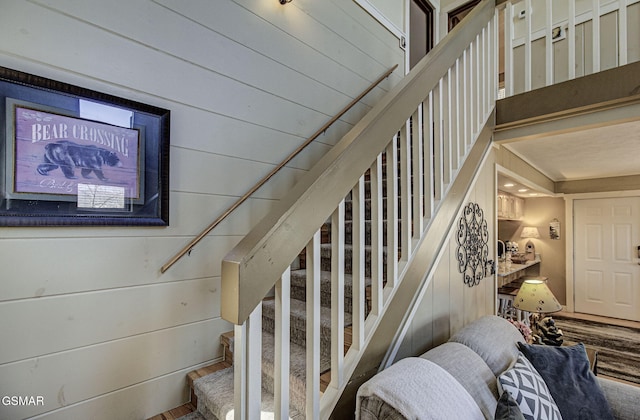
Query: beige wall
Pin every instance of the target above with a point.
(88, 321)
(538, 212)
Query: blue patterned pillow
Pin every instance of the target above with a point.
(567, 374)
(527, 387)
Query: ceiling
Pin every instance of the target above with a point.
(600, 152)
(595, 153)
(518, 188)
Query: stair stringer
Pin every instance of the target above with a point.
(390, 327)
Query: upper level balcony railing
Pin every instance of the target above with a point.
(550, 41)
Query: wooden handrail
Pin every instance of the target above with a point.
(266, 178)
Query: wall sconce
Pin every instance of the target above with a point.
(285, 1)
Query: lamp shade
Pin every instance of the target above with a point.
(535, 296)
(530, 232)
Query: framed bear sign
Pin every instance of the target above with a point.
(73, 156)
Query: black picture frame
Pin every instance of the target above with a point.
(73, 156)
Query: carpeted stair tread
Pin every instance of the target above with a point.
(348, 231)
(325, 251)
(325, 258)
(192, 416)
(298, 323)
(215, 397)
(297, 370)
(348, 208)
(299, 287)
(298, 310)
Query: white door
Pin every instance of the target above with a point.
(607, 274)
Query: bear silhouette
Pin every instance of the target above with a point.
(67, 156)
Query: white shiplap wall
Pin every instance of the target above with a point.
(448, 304)
(88, 321)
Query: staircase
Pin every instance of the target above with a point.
(371, 219)
(319, 290)
(214, 404)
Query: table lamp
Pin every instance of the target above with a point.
(535, 296)
(530, 249)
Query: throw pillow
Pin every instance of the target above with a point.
(570, 380)
(527, 387)
(508, 408)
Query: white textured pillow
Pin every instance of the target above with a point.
(527, 387)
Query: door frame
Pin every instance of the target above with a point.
(569, 203)
(434, 7)
(464, 10)
(430, 27)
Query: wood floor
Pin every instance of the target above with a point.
(604, 320)
(191, 406)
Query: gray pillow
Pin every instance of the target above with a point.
(572, 384)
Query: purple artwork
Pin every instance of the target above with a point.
(53, 153)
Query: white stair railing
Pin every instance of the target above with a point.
(423, 130)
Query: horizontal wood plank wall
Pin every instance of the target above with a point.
(448, 304)
(88, 321)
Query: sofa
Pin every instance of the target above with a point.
(469, 377)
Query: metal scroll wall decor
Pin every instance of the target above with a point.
(473, 251)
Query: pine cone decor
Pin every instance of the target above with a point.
(548, 332)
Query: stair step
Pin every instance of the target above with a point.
(348, 208)
(192, 416)
(299, 325)
(215, 397)
(297, 372)
(325, 258)
(299, 288)
(348, 232)
(297, 377)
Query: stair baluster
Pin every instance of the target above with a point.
(281, 346)
(377, 235)
(313, 328)
(357, 264)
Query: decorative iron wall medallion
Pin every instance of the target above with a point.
(472, 239)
